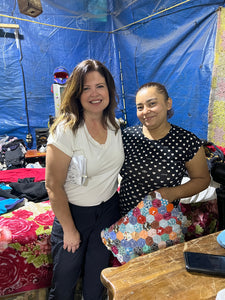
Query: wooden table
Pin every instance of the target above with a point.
(33, 153)
(161, 275)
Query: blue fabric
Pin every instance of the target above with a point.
(221, 238)
(168, 41)
(7, 204)
(3, 186)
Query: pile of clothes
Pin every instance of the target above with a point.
(12, 153)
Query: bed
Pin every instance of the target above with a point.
(25, 258)
(26, 221)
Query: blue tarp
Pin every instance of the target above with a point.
(172, 42)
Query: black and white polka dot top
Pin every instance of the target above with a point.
(152, 164)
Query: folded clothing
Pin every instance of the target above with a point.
(8, 204)
(32, 191)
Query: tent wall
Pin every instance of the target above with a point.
(168, 41)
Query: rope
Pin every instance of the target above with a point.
(98, 31)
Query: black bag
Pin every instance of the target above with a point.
(14, 154)
(213, 154)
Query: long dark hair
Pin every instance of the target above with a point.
(71, 111)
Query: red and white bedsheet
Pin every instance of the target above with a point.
(25, 251)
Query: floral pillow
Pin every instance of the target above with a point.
(153, 224)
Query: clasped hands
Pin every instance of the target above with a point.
(71, 241)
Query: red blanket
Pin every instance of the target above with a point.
(15, 174)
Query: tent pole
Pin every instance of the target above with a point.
(123, 93)
(13, 26)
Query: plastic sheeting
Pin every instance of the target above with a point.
(167, 41)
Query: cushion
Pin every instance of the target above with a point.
(153, 224)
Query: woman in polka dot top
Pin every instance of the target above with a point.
(158, 153)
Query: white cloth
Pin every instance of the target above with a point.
(220, 295)
(203, 196)
(103, 163)
(77, 172)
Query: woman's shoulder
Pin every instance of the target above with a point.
(132, 130)
(181, 130)
(65, 134)
(63, 129)
(184, 134)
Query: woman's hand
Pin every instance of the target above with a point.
(199, 179)
(71, 241)
(167, 193)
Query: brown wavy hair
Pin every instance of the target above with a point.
(71, 110)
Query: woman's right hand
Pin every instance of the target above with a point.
(167, 193)
(57, 164)
(71, 240)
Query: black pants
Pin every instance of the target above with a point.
(91, 257)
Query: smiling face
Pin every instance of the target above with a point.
(152, 107)
(95, 96)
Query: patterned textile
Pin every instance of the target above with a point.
(153, 164)
(213, 154)
(40, 294)
(25, 251)
(153, 224)
(202, 218)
